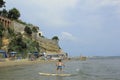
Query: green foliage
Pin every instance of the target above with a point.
(42, 36)
(13, 14)
(11, 32)
(2, 3)
(55, 38)
(1, 33)
(32, 45)
(36, 44)
(17, 43)
(23, 45)
(4, 13)
(1, 27)
(34, 29)
(1, 30)
(28, 30)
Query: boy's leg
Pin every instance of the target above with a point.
(61, 70)
(57, 70)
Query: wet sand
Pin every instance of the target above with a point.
(8, 63)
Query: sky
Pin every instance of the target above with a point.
(84, 27)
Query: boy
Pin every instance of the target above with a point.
(59, 65)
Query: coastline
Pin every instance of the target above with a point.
(22, 62)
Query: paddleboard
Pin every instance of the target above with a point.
(53, 74)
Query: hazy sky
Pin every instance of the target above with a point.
(84, 27)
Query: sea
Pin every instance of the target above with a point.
(91, 69)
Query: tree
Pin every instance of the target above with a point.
(28, 30)
(10, 31)
(34, 29)
(17, 43)
(2, 3)
(13, 14)
(55, 38)
(4, 13)
(36, 45)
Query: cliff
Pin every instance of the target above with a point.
(15, 34)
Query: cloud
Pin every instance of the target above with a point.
(49, 11)
(55, 13)
(68, 37)
(95, 4)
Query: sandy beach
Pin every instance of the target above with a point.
(21, 62)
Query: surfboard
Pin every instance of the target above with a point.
(53, 74)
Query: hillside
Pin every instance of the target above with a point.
(15, 38)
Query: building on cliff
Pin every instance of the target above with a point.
(5, 21)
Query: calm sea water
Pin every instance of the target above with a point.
(92, 69)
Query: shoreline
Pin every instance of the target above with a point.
(22, 62)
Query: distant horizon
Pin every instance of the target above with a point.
(95, 56)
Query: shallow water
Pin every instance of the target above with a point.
(92, 69)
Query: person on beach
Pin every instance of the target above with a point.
(59, 65)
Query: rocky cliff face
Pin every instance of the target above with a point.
(46, 45)
(14, 30)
